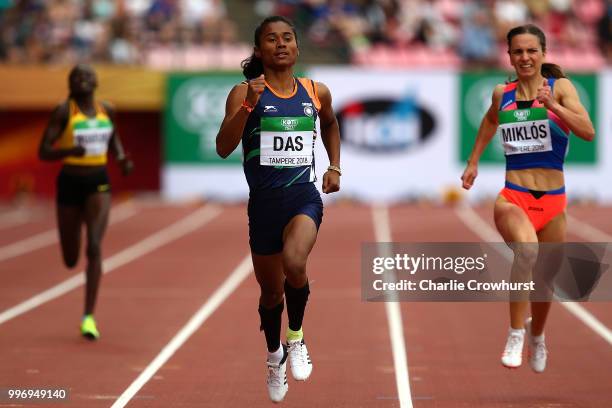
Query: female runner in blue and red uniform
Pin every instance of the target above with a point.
(273, 113)
(531, 207)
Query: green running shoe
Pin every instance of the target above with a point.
(89, 329)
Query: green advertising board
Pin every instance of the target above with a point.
(476, 90)
(195, 106)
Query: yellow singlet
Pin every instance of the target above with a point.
(91, 133)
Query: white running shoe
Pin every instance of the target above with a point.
(537, 350)
(512, 357)
(277, 379)
(299, 360)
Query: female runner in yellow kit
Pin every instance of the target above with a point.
(79, 133)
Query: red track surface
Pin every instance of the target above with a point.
(452, 348)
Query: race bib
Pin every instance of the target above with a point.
(93, 135)
(286, 141)
(525, 131)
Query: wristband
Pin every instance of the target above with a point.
(247, 106)
(335, 168)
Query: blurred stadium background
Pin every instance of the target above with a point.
(410, 79)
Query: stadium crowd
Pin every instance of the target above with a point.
(196, 33)
(470, 32)
(149, 32)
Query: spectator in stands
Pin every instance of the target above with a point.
(434, 31)
(478, 46)
(166, 33)
(121, 31)
(508, 14)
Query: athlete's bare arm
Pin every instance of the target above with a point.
(236, 115)
(486, 131)
(55, 127)
(567, 106)
(330, 134)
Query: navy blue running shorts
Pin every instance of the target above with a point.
(271, 210)
(73, 190)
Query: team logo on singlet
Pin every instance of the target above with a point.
(270, 108)
(308, 110)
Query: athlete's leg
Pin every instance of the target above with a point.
(299, 237)
(518, 232)
(554, 231)
(69, 219)
(550, 258)
(516, 229)
(269, 274)
(97, 206)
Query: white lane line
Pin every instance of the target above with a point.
(591, 321)
(30, 244)
(162, 237)
(15, 217)
(586, 231)
(206, 310)
(123, 211)
(480, 227)
(119, 213)
(382, 233)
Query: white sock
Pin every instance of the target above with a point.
(538, 339)
(517, 332)
(276, 356)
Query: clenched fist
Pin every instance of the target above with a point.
(545, 95)
(255, 89)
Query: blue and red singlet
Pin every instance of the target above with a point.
(532, 137)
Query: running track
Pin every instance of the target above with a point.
(177, 312)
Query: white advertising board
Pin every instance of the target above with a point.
(397, 130)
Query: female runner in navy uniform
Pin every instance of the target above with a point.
(531, 207)
(82, 131)
(274, 114)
